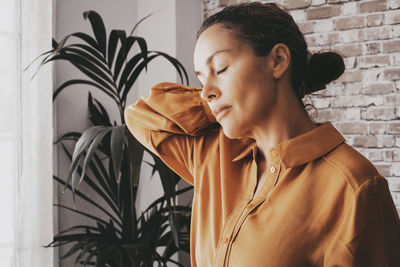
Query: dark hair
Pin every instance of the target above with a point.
(264, 25)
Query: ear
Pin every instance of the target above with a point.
(281, 58)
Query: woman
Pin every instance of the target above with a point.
(272, 188)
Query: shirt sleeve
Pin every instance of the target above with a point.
(371, 234)
(168, 121)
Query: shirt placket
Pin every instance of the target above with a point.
(251, 203)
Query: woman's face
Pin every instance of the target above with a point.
(237, 85)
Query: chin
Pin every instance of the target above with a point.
(231, 132)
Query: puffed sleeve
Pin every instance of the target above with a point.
(167, 122)
(370, 236)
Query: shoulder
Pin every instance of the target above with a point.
(351, 165)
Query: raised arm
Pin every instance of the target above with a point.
(168, 121)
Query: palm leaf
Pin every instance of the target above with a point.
(73, 82)
(117, 145)
(92, 148)
(98, 115)
(115, 35)
(83, 142)
(98, 28)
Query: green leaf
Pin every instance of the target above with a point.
(140, 21)
(92, 147)
(98, 28)
(109, 198)
(178, 66)
(98, 219)
(89, 50)
(143, 48)
(115, 35)
(128, 69)
(117, 145)
(97, 113)
(76, 61)
(73, 82)
(82, 143)
(133, 77)
(100, 66)
(135, 152)
(104, 256)
(68, 136)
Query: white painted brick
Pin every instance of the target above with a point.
(350, 62)
(373, 154)
(395, 171)
(298, 15)
(348, 101)
(349, 36)
(318, 2)
(325, 25)
(374, 100)
(394, 185)
(388, 155)
(396, 154)
(392, 17)
(396, 31)
(321, 102)
(393, 4)
(211, 4)
(349, 8)
(395, 61)
(373, 74)
(385, 140)
(351, 88)
(353, 114)
(397, 141)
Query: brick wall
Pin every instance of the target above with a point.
(364, 103)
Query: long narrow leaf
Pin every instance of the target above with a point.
(82, 143)
(128, 69)
(90, 50)
(98, 115)
(115, 35)
(68, 136)
(73, 82)
(92, 147)
(106, 88)
(117, 145)
(135, 74)
(82, 213)
(92, 60)
(140, 21)
(110, 197)
(98, 28)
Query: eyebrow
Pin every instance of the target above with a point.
(211, 57)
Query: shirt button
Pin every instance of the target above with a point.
(274, 153)
(273, 169)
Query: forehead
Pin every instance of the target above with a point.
(213, 39)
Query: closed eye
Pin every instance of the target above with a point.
(221, 71)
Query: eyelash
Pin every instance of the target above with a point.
(221, 71)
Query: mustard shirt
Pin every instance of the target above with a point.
(322, 204)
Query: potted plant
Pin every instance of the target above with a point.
(108, 158)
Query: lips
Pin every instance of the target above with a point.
(219, 111)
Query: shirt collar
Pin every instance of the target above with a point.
(303, 148)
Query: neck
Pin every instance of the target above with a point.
(288, 120)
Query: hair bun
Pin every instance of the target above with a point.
(322, 69)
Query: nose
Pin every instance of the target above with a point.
(210, 92)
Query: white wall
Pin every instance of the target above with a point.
(171, 29)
